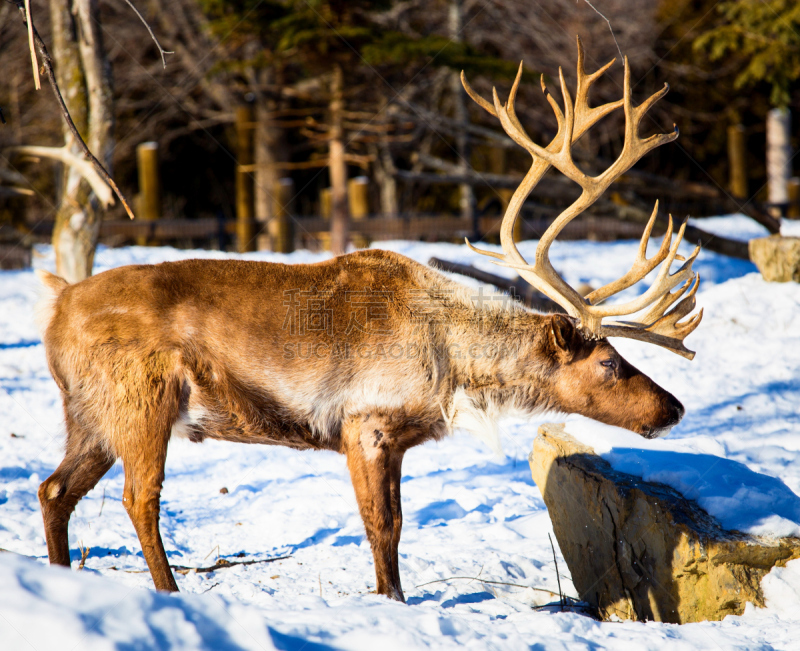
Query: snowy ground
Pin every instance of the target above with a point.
(468, 513)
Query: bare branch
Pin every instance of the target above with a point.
(83, 167)
(47, 63)
(223, 563)
(15, 192)
(610, 29)
(161, 50)
(36, 81)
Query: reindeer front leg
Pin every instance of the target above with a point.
(374, 460)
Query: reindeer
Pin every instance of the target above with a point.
(367, 354)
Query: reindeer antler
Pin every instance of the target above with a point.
(658, 325)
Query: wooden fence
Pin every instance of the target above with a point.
(312, 232)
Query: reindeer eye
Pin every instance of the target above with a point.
(609, 363)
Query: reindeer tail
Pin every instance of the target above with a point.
(45, 308)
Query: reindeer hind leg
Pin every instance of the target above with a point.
(86, 460)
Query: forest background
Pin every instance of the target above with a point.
(344, 89)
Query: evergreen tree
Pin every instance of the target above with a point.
(765, 35)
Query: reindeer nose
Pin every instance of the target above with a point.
(675, 410)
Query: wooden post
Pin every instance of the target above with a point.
(245, 240)
(324, 237)
(778, 159)
(149, 186)
(281, 229)
(737, 165)
(325, 203)
(358, 198)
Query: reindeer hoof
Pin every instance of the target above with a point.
(396, 594)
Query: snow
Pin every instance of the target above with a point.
(468, 513)
(53, 608)
(790, 228)
(735, 227)
(741, 227)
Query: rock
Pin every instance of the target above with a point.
(641, 551)
(777, 257)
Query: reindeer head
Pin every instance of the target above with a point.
(591, 378)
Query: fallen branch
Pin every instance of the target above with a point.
(518, 289)
(480, 580)
(647, 185)
(223, 563)
(47, 64)
(84, 555)
(692, 234)
(716, 243)
(568, 603)
(82, 166)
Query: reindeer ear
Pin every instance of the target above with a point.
(563, 335)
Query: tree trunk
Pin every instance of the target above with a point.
(460, 115)
(270, 146)
(84, 75)
(266, 176)
(385, 169)
(340, 217)
(385, 176)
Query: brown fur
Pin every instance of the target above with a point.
(367, 354)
